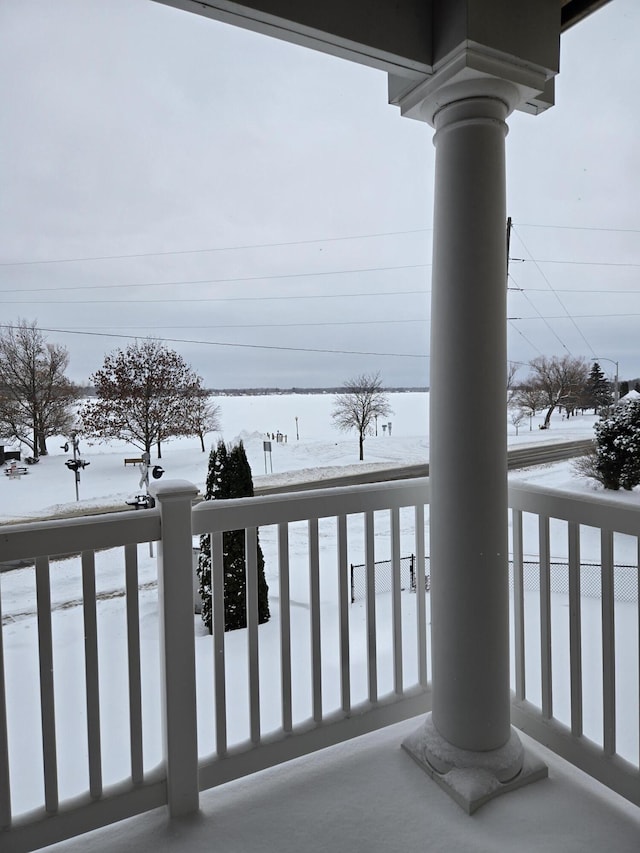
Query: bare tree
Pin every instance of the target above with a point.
(145, 394)
(36, 398)
(516, 416)
(512, 369)
(361, 400)
(560, 381)
(203, 416)
(529, 398)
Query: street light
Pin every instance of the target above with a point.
(76, 464)
(616, 387)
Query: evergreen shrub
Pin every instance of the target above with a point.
(615, 461)
(229, 476)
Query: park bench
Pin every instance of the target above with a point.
(132, 460)
(15, 471)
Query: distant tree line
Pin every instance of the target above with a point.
(338, 389)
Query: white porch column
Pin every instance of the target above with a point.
(468, 429)
(467, 743)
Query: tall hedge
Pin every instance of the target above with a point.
(228, 477)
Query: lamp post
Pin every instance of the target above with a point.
(616, 385)
(75, 464)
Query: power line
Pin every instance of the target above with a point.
(421, 320)
(302, 243)
(551, 329)
(181, 283)
(579, 263)
(577, 316)
(630, 292)
(561, 303)
(233, 345)
(313, 241)
(217, 249)
(580, 228)
(325, 323)
(288, 298)
(522, 335)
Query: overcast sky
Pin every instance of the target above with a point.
(263, 209)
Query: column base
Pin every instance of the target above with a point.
(473, 778)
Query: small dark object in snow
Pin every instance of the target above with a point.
(141, 502)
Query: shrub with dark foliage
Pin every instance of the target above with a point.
(229, 476)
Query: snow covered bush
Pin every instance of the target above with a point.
(616, 460)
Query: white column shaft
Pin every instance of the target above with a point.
(468, 453)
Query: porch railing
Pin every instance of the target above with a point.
(54, 820)
(342, 669)
(377, 676)
(576, 658)
(339, 515)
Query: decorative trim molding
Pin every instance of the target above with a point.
(473, 70)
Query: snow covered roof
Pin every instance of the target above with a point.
(632, 397)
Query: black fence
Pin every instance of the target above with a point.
(382, 576)
(625, 578)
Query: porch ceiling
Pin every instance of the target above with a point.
(575, 10)
(397, 37)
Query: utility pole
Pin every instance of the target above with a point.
(508, 245)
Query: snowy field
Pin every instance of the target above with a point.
(319, 451)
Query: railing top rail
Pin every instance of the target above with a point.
(72, 535)
(221, 515)
(55, 537)
(603, 511)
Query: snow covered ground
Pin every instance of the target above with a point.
(321, 451)
(49, 488)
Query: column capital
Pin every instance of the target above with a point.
(472, 71)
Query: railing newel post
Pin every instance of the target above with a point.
(177, 645)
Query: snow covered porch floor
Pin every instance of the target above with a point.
(368, 796)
